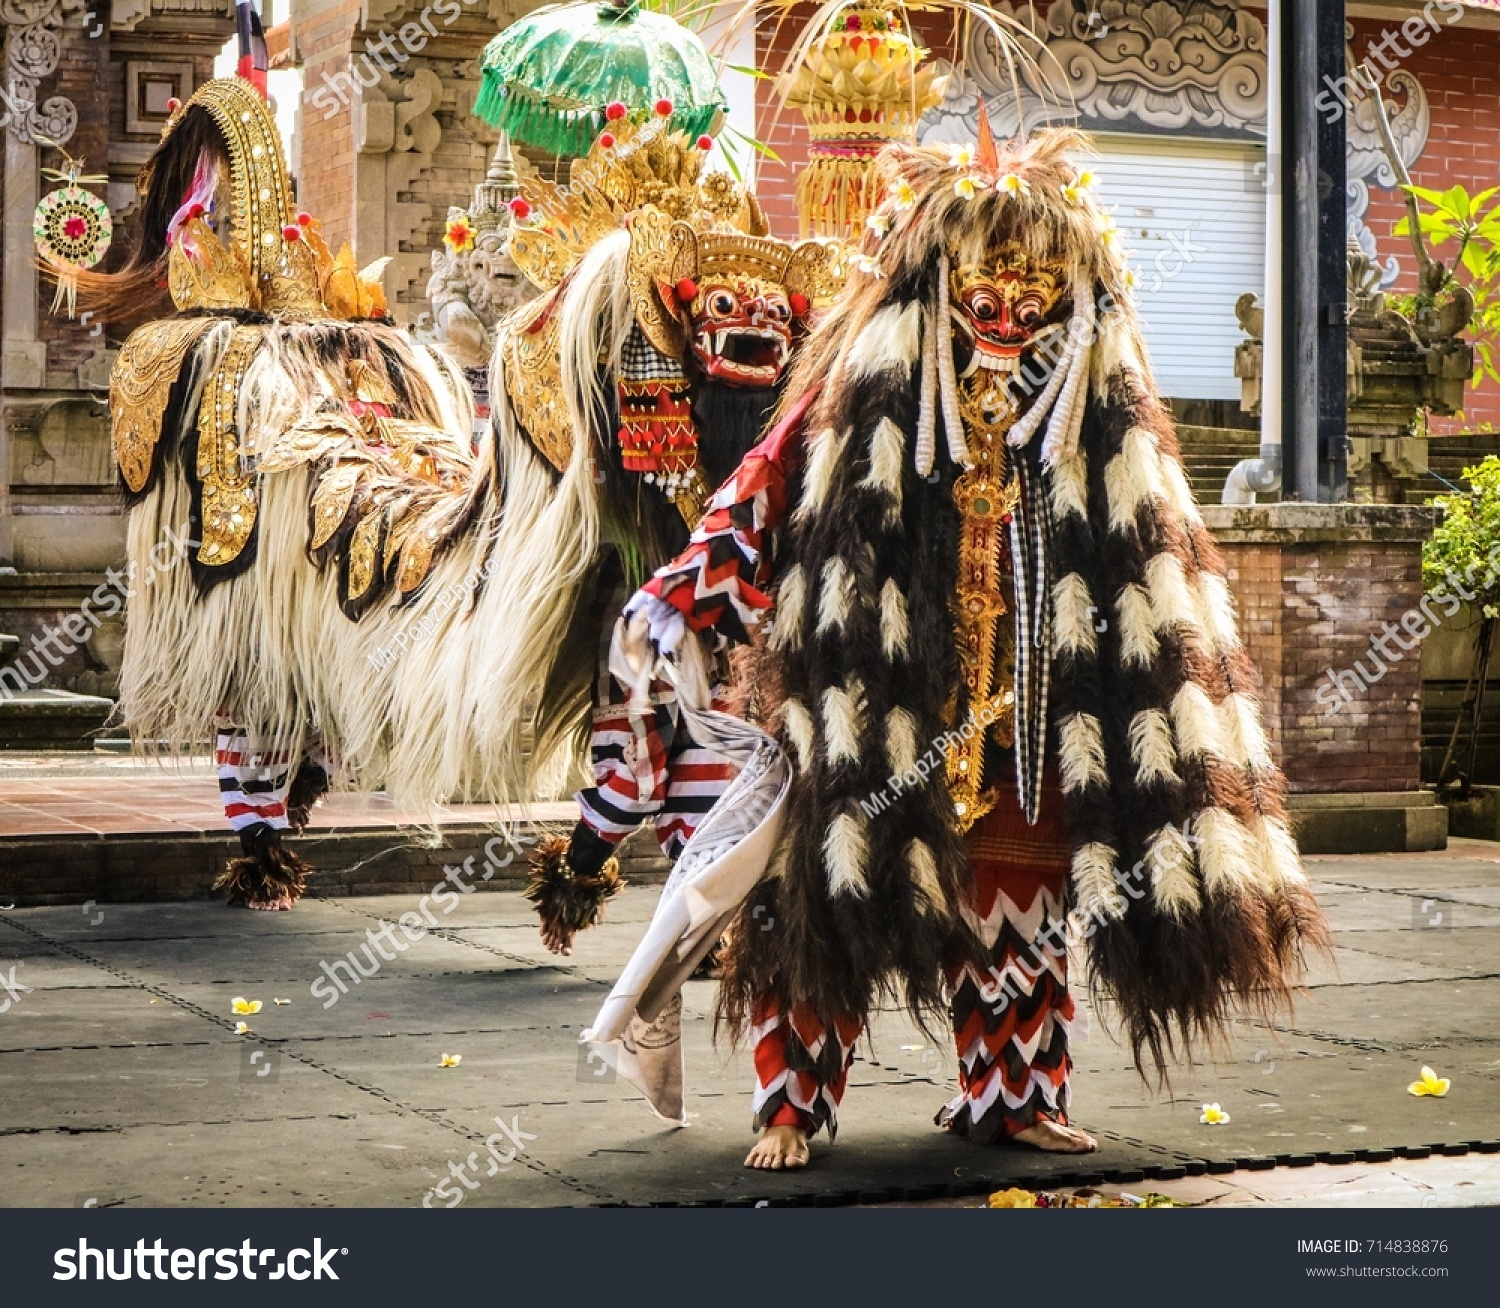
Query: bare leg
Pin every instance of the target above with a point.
(779, 1148)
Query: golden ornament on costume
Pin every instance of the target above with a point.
(703, 275)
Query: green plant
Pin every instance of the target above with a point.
(1455, 215)
(1462, 559)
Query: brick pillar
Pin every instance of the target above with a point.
(1322, 591)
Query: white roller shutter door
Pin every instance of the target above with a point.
(1192, 215)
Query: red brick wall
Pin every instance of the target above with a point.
(325, 171)
(1459, 68)
(1308, 607)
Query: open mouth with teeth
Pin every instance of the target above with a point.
(743, 356)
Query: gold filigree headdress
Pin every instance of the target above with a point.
(629, 168)
(275, 260)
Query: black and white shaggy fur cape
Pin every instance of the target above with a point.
(1154, 722)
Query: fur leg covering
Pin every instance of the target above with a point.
(269, 875)
(569, 894)
(309, 785)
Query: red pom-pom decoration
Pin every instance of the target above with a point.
(664, 108)
(851, 23)
(687, 290)
(520, 209)
(607, 140)
(799, 303)
(304, 219)
(705, 142)
(197, 211)
(614, 110)
(291, 232)
(173, 104)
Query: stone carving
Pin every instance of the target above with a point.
(1131, 65)
(472, 291)
(32, 48)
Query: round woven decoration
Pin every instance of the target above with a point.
(72, 226)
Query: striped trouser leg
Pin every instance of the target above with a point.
(696, 777)
(253, 784)
(801, 1067)
(1011, 1022)
(647, 767)
(630, 753)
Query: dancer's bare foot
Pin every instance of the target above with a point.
(279, 905)
(779, 1147)
(1055, 1138)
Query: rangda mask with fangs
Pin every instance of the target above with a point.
(1000, 307)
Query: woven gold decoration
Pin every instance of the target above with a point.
(859, 88)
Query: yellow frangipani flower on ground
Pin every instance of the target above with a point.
(1213, 1115)
(965, 188)
(961, 156)
(1012, 184)
(242, 1028)
(903, 195)
(1430, 1084)
(239, 1004)
(451, 1060)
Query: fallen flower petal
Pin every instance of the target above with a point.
(1430, 1084)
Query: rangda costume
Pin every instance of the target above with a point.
(1016, 701)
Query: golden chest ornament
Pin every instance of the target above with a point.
(986, 496)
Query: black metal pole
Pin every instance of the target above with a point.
(1314, 343)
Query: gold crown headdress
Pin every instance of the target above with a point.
(630, 167)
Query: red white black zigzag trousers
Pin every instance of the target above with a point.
(1010, 1023)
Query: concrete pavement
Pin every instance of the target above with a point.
(122, 1079)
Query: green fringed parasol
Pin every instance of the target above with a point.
(548, 77)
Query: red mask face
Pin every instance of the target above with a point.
(742, 333)
(1000, 307)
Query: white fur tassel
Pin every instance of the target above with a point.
(926, 451)
(846, 852)
(953, 424)
(1066, 424)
